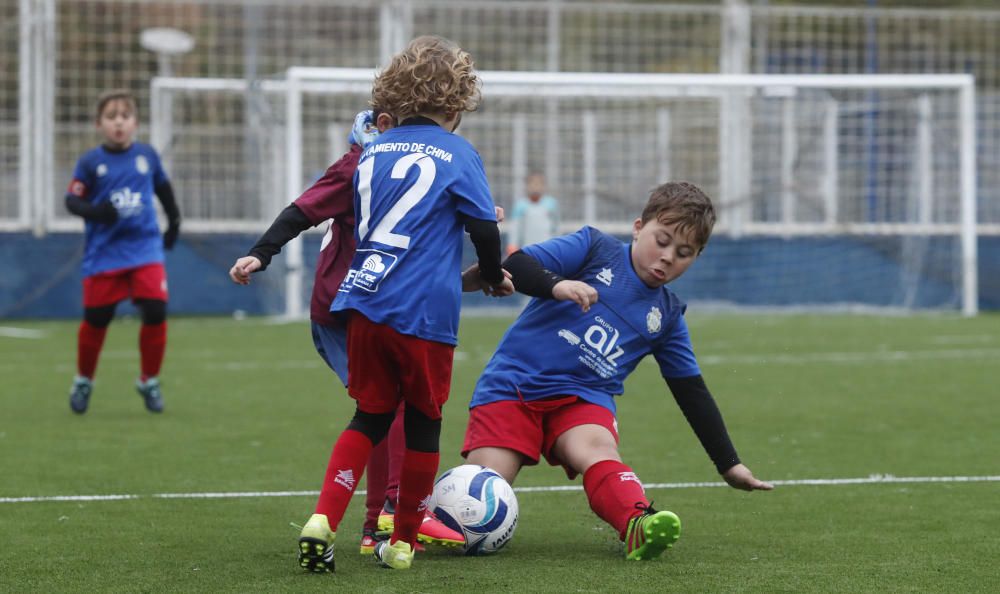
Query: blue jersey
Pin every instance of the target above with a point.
(553, 349)
(413, 188)
(127, 180)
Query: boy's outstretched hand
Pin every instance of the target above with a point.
(740, 477)
(472, 281)
(240, 272)
(579, 292)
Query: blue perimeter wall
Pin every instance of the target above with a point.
(42, 276)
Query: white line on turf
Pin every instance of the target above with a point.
(11, 332)
(873, 479)
(850, 358)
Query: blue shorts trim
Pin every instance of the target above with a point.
(331, 344)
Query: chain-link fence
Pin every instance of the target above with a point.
(46, 109)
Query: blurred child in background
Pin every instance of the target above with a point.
(112, 190)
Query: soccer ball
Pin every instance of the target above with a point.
(479, 503)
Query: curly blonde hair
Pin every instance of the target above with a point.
(432, 75)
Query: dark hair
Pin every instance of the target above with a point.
(684, 204)
(116, 95)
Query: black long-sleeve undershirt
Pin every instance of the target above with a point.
(286, 226)
(485, 236)
(165, 192)
(98, 213)
(701, 412)
(105, 212)
(529, 277)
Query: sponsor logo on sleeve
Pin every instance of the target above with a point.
(375, 266)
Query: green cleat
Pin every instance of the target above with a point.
(650, 533)
(79, 394)
(398, 555)
(151, 394)
(316, 545)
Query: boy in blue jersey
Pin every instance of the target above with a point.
(331, 198)
(418, 187)
(112, 190)
(549, 388)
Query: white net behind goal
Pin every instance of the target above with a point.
(833, 192)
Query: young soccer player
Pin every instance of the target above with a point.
(416, 188)
(332, 198)
(535, 216)
(112, 189)
(549, 389)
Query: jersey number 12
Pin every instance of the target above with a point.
(382, 232)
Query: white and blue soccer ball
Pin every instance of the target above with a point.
(479, 503)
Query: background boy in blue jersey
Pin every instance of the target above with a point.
(549, 389)
(417, 187)
(112, 189)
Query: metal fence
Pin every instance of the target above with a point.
(65, 52)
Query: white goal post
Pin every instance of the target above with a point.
(878, 171)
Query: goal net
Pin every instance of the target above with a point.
(833, 192)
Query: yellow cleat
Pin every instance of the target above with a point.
(316, 545)
(398, 555)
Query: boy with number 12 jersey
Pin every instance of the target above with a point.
(417, 188)
(410, 241)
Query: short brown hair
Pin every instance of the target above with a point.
(116, 95)
(432, 75)
(686, 205)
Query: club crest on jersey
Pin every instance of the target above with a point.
(605, 276)
(141, 164)
(653, 320)
(368, 276)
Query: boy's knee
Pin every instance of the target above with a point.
(374, 426)
(423, 433)
(153, 311)
(99, 317)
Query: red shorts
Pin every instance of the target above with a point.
(142, 282)
(384, 366)
(531, 428)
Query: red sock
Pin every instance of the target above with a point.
(613, 491)
(347, 464)
(152, 343)
(89, 340)
(375, 478)
(416, 480)
(397, 451)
